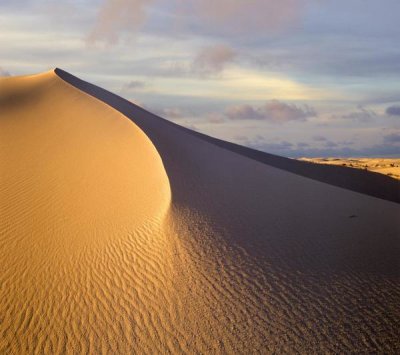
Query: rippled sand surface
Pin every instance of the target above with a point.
(133, 236)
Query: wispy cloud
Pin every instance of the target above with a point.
(116, 16)
(362, 114)
(226, 60)
(217, 17)
(133, 85)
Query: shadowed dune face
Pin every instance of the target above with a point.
(365, 182)
(102, 250)
(259, 206)
(302, 251)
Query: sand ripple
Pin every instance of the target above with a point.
(121, 236)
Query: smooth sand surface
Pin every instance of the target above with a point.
(121, 236)
(386, 166)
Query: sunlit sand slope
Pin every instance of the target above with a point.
(386, 166)
(121, 237)
(83, 197)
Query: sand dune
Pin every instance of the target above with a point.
(121, 236)
(386, 166)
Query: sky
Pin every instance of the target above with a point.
(296, 78)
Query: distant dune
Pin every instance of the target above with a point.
(121, 232)
(386, 166)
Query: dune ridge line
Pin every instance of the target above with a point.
(121, 236)
(365, 182)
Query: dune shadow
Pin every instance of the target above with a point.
(374, 252)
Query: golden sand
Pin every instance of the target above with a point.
(116, 241)
(386, 166)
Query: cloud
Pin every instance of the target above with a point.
(170, 113)
(206, 62)
(319, 138)
(362, 115)
(243, 112)
(272, 111)
(388, 147)
(138, 103)
(60, 11)
(393, 111)
(4, 72)
(215, 117)
(281, 112)
(330, 144)
(173, 112)
(206, 16)
(241, 138)
(191, 126)
(212, 60)
(347, 142)
(133, 85)
(284, 145)
(243, 17)
(289, 150)
(392, 138)
(116, 16)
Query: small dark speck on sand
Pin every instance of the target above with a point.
(352, 216)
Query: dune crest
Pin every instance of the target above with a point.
(81, 186)
(121, 236)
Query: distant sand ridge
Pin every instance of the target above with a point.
(387, 166)
(121, 236)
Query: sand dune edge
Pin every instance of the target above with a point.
(366, 182)
(121, 237)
